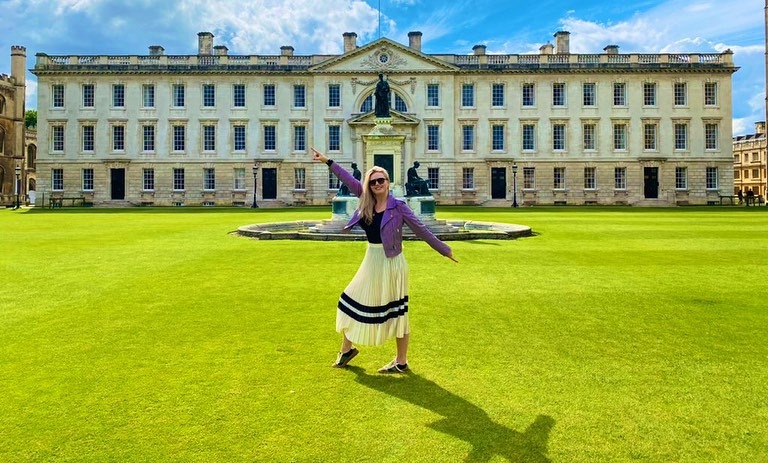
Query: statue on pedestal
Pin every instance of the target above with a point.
(343, 189)
(382, 99)
(416, 186)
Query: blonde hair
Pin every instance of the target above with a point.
(367, 200)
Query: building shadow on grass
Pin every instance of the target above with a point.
(465, 420)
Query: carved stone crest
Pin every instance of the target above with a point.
(383, 59)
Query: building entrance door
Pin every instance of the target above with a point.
(269, 183)
(498, 183)
(651, 182)
(117, 184)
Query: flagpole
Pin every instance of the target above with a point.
(380, 17)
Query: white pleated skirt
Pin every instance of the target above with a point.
(374, 306)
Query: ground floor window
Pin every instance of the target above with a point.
(178, 179)
(620, 178)
(559, 178)
(57, 179)
(468, 178)
(529, 178)
(299, 179)
(681, 178)
(711, 178)
(433, 178)
(149, 179)
(88, 179)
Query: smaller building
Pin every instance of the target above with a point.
(12, 141)
(749, 162)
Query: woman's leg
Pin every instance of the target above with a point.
(346, 344)
(402, 349)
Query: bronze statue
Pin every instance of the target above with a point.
(344, 189)
(416, 186)
(383, 96)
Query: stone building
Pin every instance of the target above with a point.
(12, 133)
(749, 162)
(549, 128)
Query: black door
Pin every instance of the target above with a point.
(386, 161)
(117, 178)
(651, 182)
(498, 183)
(269, 183)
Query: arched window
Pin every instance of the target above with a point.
(399, 104)
(2, 140)
(2, 104)
(31, 156)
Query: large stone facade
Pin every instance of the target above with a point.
(548, 128)
(750, 160)
(12, 134)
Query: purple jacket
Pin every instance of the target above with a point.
(396, 213)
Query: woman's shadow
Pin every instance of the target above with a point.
(464, 420)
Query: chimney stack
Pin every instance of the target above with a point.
(546, 49)
(612, 49)
(204, 43)
(220, 50)
(414, 40)
(479, 50)
(156, 50)
(350, 41)
(759, 127)
(286, 50)
(562, 42)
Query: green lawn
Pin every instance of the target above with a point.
(613, 335)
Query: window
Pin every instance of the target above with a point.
(88, 131)
(497, 95)
(681, 178)
(57, 95)
(590, 178)
(710, 94)
(88, 179)
(57, 138)
(710, 133)
(589, 136)
(649, 94)
(57, 179)
(148, 135)
(619, 136)
(88, 95)
(433, 95)
(558, 94)
(148, 95)
(299, 138)
(711, 178)
(334, 96)
(270, 138)
(400, 104)
(209, 95)
(619, 94)
(178, 95)
(334, 138)
(148, 176)
(269, 95)
(681, 97)
(681, 136)
(620, 178)
(179, 137)
(497, 136)
(333, 181)
(736, 175)
(433, 137)
(118, 138)
(649, 137)
(558, 137)
(755, 173)
(433, 178)
(178, 178)
(118, 96)
(529, 178)
(589, 94)
(367, 104)
(238, 96)
(209, 178)
(238, 137)
(468, 95)
(239, 176)
(299, 96)
(746, 173)
(755, 157)
(299, 179)
(468, 178)
(209, 138)
(559, 178)
(467, 137)
(529, 95)
(529, 137)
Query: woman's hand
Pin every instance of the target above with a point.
(318, 156)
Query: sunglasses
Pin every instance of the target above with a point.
(377, 181)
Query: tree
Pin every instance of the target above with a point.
(30, 119)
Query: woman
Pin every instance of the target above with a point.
(374, 306)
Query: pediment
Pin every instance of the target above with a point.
(383, 56)
(369, 118)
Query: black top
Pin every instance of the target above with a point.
(373, 230)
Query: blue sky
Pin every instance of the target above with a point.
(129, 27)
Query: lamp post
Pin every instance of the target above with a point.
(18, 185)
(514, 184)
(255, 177)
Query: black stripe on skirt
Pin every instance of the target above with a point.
(372, 315)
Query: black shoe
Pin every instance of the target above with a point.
(345, 357)
(394, 367)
